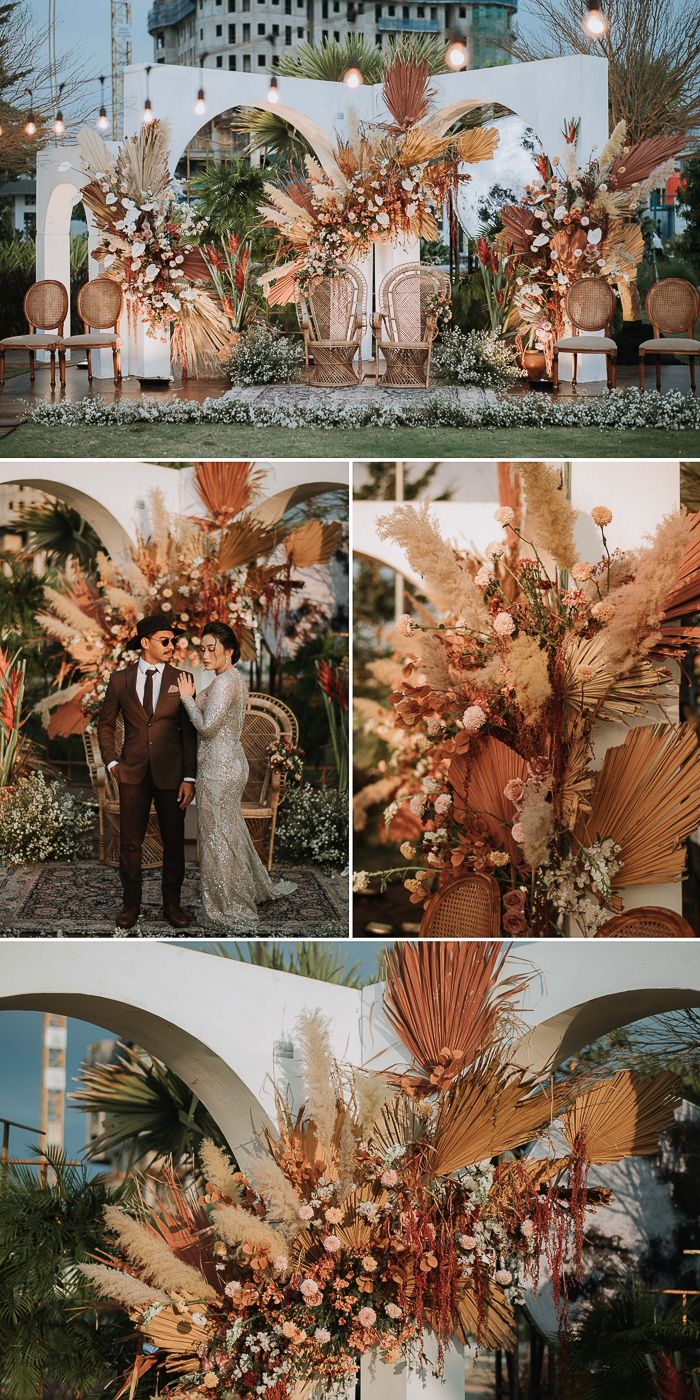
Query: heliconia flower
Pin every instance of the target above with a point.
(234, 244)
(215, 257)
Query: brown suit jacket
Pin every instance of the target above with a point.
(165, 746)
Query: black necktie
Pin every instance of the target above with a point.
(148, 694)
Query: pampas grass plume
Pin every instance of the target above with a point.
(218, 1169)
(237, 1226)
(278, 1194)
(448, 584)
(528, 665)
(121, 1287)
(319, 1075)
(550, 517)
(640, 604)
(372, 1091)
(537, 820)
(151, 1254)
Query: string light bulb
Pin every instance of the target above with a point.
(595, 22)
(59, 125)
(102, 120)
(353, 77)
(200, 105)
(273, 93)
(30, 124)
(457, 55)
(147, 108)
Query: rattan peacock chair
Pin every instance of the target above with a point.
(648, 922)
(469, 907)
(405, 324)
(333, 316)
(589, 306)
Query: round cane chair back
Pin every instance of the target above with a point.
(107, 790)
(46, 305)
(648, 922)
(266, 720)
(100, 303)
(406, 298)
(590, 304)
(336, 303)
(470, 907)
(673, 306)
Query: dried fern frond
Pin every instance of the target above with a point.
(448, 1002)
(493, 1109)
(647, 799)
(623, 1116)
(314, 542)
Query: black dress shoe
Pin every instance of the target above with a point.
(128, 916)
(175, 916)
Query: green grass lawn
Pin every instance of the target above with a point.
(221, 440)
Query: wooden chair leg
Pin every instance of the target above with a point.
(555, 373)
(613, 372)
(62, 368)
(271, 844)
(692, 373)
(52, 357)
(2, 368)
(574, 381)
(641, 370)
(32, 366)
(115, 364)
(89, 365)
(658, 372)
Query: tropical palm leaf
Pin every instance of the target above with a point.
(493, 1324)
(622, 1117)
(477, 144)
(406, 91)
(245, 540)
(613, 697)
(646, 798)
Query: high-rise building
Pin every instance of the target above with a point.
(248, 36)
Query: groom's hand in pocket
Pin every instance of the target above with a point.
(185, 795)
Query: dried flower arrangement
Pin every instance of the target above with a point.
(229, 564)
(148, 241)
(387, 184)
(496, 706)
(576, 222)
(379, 1214)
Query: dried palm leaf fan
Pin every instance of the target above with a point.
(638, 163)
(406, 92)
(226, 489)
(493, 1109)
(314, 542)
(478, 784)
(492, 1320)
(684, 597)
(246, 540)
(448, 1003)
(612, 696)
(647, 799)
(622, 1117)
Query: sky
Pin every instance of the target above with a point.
(83, 31)
(20, 1059)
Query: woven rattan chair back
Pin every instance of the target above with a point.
(649, 922)
(673, 307)
(590, 304)
(100, 303)
(406, 297)
(267, 720)
(470, 907)
(335, 304)
(46, 306)
(107, 791)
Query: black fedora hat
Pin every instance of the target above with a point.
(155, 622)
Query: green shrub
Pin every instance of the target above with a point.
(42, 821)
(313, 828)
(263, 356)
(18, 274)
(469, 307)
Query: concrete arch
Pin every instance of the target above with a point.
(113, 503)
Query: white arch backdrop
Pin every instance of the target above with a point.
(544, 94)
(654, 490)
(225, 1028)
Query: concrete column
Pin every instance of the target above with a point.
(381, 1382)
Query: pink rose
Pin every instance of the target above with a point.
(514, 790)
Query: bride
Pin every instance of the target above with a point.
(233, 878)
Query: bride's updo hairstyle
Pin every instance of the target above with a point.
(226, 635)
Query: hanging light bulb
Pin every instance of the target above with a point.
(59, 125)
(200, 105)
(457, 54)
(102, 120)
(273, 94)
(353, 77)
(595, 22)
(30, 124)
(147, 108)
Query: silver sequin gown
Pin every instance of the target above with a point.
(234, 880)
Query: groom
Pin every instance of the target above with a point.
(158, 763)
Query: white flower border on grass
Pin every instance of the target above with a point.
(620, 409)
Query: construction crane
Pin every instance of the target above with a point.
(121, 56)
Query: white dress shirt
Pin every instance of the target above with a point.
(142, 668)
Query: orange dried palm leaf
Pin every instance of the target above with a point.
(477, 144)
(406, 92)
(491, 1110)
(647, 799)
(313, 543)
(245, 540)
(519, 227)
(227, 488)
(478, 784)
(623, 1116)
(176, 1333)
(684, 597)
(641, 161)
(448, 1001)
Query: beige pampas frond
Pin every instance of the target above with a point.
(146, 1249)
(640, 604)
(218, 1169)
(320, 1075)
(71, 614)
(159, 531)
(137, 580)
(347, 1151)
(121, 601)
(550, 517)
(106, 568)
(385, 671)
(60, 631)
(529, 669)
(281, 1200)
(372, 1092)
(537, 823)
(238, 1227)
(426, 646)
(646, 798)
(448, 582)
(121, 1287)
(614, 145)
(623, 1116)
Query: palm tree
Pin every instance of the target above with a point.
(60, 532)
(48, 1343)
(227, 194)
(307, 959)
(621, 1340)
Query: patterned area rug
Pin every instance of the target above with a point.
(82, 899)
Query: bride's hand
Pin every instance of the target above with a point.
(185, 686)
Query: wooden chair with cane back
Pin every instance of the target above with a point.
(673, 307)
(99, 304)
(469, 907)
(333, 316)
(649, 922)
(589, 306)
(45, 309)
(266, 720)
(405, 323)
